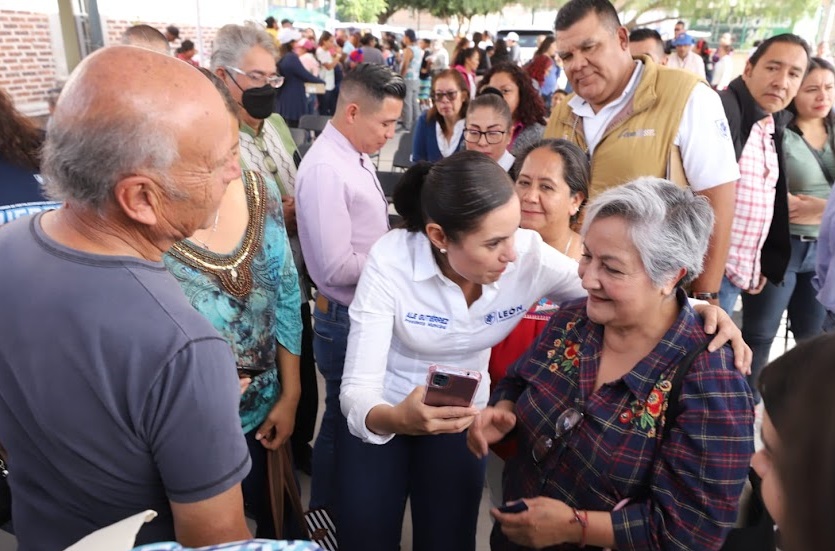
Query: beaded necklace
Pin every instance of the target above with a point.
(233, 270)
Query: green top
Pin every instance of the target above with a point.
(804, 175)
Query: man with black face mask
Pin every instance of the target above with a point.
(244, 58)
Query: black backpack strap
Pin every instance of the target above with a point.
(673, 406)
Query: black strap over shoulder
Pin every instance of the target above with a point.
(673, 406)
(819, 157)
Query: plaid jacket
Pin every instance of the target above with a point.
(684, 493)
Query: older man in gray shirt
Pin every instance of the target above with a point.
(116, 395)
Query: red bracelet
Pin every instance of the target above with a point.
(582, 518)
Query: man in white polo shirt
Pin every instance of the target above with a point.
(635, 119)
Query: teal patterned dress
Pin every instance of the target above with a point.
(254, 320)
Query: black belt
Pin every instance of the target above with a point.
(805, 238)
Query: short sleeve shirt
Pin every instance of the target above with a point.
(117, 395)
(707, 151)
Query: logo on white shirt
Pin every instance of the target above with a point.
(504, 315)
(722, 125)
(427, 320)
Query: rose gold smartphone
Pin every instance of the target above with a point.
(447, 386)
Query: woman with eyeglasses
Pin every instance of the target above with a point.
(439, 132)
(440, 291)
(527, 109)
(601, 460)
(487, 128)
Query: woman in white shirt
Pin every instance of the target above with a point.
(328, 56)
(442, 291)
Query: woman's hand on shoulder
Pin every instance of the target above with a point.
(718, 322)
(416, 418)
(490, 426)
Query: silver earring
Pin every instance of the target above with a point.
(442, 251)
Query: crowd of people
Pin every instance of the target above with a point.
(176, 272)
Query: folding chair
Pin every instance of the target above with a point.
(388, 180)
(299, 135)
(403, 155)
(313, 124)
(395, 221)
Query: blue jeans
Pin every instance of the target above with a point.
(761, 313)
(728, 293)
(441, 477)
(330, 339)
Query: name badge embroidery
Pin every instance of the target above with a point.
(644, 133)
(504, 315)
(427, 320)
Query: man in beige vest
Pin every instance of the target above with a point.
(635, 118)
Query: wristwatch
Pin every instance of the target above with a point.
(705, 296)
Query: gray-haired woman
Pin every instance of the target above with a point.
(588, 402)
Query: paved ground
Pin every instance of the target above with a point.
(8, 543)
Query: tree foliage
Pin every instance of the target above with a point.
(360, 10)
(445, 9)
(465, 8)
(790, 10)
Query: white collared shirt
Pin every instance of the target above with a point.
(448, 147)
(506, 160)
(406, 315)
(707, 151)
(692, 62)
(595, 124)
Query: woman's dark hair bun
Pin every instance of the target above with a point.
(455, 193)
(407, 193)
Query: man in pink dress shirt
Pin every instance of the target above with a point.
(341, 212)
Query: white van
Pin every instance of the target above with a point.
(527, 39)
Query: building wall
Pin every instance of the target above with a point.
(32, 58)
(27, 62)
(115, 27)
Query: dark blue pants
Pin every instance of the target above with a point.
(438, 473)
(256, 489)
(327, 103)
(330, 339)
(761, 313)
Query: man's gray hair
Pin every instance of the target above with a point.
(232, 42)
(83, 160)
(669, 225)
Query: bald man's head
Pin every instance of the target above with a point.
(126, 111)
(145, 36)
